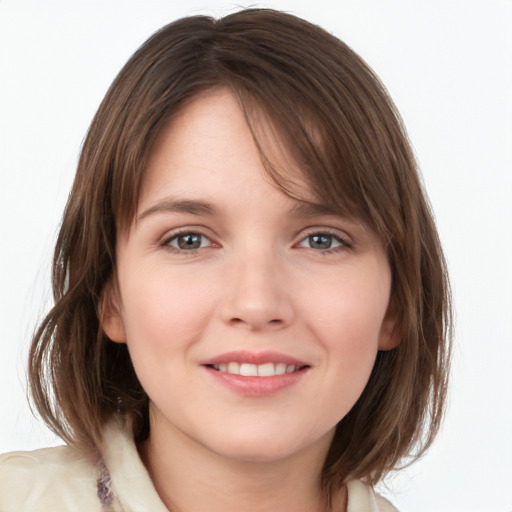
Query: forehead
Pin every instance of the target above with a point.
(210, 136)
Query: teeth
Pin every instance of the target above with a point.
(234, 368)
(280, 368)
(266, 370)
(248, 370)
(255, 370)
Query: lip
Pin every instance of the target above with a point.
(256, 386)
(244, 356)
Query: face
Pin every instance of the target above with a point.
(252, 319)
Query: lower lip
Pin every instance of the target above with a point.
(257, 386)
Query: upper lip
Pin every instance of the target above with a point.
(244, 356)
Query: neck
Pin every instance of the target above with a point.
(191, 478)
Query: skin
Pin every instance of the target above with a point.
(258, 281)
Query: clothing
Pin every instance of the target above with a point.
(61, 480)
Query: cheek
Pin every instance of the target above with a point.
(163, 312)
(347, 318)
(163, 320)
(351, 311)
(350, 337)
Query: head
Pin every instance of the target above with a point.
(304, 96)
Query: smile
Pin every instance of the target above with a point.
(256, 374)
(255, 370)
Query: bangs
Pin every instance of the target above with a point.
(295, 152)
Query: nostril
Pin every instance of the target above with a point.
(240, 321)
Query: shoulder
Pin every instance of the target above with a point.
(362, 498)
(47, 480)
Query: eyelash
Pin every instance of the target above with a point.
(166, 243)
(343, 242)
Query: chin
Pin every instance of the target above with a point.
(263, 446)
(256, 453)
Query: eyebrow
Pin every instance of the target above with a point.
(200, 207)
(306, 210)
(194, 207)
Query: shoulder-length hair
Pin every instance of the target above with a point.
(341, 127)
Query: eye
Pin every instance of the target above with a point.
(323, 241)
(188, 241)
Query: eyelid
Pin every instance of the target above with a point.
(339, 234)
(165, 240)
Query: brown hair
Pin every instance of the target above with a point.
(343, 130)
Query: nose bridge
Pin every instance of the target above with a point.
(256, 295)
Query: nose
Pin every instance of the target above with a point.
(256, 295)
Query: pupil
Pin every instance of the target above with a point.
(191, 241)
(320, 241)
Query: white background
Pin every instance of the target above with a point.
(448, 66)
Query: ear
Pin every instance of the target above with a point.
(109, 313)
(389, 336)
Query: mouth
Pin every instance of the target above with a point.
(257, 370)
(256, 374)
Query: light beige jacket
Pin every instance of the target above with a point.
(59, 480)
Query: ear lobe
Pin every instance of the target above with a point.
(109, 315)
(389, 336)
